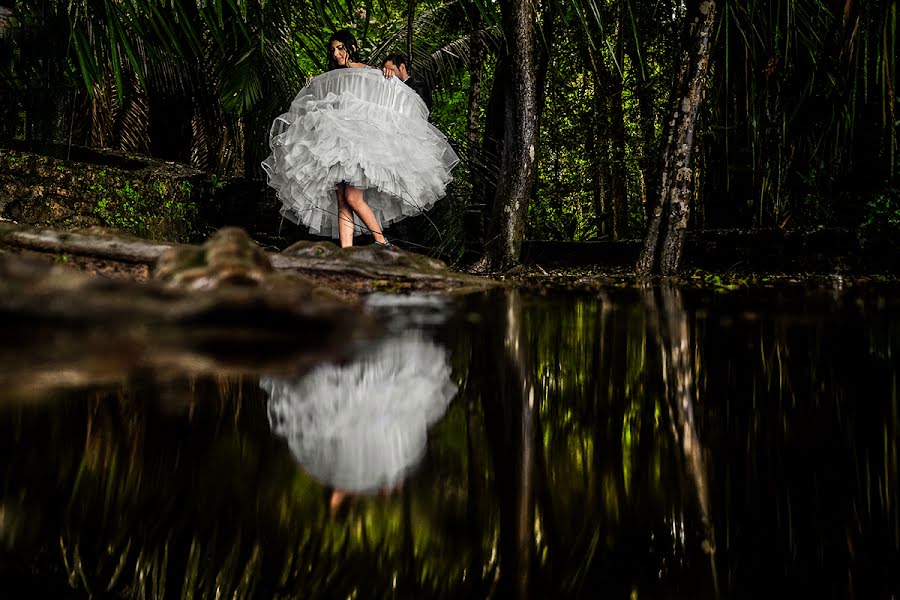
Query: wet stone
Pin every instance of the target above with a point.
(308, 249)
(370, 254)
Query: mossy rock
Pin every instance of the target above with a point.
(364, 255)
(309, 249)
(230, 258)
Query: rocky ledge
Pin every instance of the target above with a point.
(95, 307)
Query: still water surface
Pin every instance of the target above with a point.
(623, 443)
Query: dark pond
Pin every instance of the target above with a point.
(625, 443)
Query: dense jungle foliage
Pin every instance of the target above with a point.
(798, 126)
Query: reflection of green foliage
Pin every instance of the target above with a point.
(192, 495)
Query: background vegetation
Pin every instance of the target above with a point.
(798, 127)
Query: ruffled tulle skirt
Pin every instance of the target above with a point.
(355, 126)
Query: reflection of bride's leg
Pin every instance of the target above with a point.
(336, 500)
(355, 199)
(345, 216)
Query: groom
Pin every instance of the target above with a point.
(395, 65)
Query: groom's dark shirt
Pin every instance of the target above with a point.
(419, 88)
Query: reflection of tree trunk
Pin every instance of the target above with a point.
(544, 494)
(509, 421)
(521, 392)
(664, 242)
(409, 548)
(673, 336)
(609, 408)
(473, 505)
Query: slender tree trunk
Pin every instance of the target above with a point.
(664, 243)
(543, 53)
(488, 165)
(619, 195)
(646, 145)
(410, 21)
(473, 219)
(647, 118)
(599, 153)
(518, 162)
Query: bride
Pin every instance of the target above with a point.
(355, 151)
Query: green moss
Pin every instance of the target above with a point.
(387, 286)
(147, 209)
(122, 207)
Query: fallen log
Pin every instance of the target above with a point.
(95, 243)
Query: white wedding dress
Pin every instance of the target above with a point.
(363, 426)
(356, 126)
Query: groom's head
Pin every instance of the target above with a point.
(398, 65)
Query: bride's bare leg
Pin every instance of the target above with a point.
(345, 216)
(355, 199)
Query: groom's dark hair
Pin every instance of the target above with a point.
(398, 59)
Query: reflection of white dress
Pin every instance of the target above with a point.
(363, 426)
(356, 126)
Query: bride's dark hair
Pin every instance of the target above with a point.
(346, 38)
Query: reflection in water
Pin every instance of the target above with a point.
(598, 445)
(362, 426)
(673, 337)
(508, 406)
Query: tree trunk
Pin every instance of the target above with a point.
(664, 243)
(619, 195)
(489, 162)
(542, 58)
(647, 119)
(473, 216)
(410, 20)
(601, 176)
(600, 152)
(518, 162)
